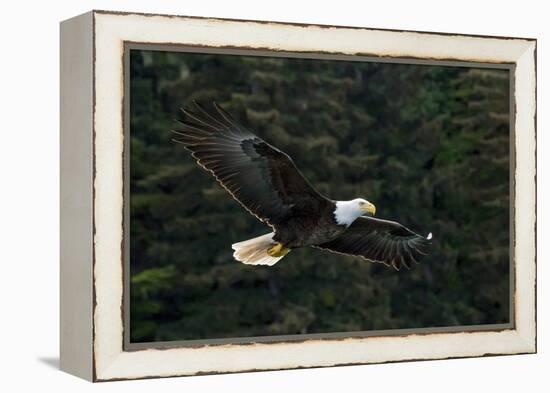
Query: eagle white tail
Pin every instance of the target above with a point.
(254, 251)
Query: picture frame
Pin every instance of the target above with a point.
(94, 185)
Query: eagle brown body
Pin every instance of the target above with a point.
(309, 229)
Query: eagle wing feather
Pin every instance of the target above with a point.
(262, 178)
(382, 241)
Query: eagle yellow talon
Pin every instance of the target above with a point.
(278, 250)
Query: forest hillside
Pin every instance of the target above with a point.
(428, 145)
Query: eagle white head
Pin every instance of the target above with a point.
(347, 212)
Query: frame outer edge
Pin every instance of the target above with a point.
(115, 363)
(76, 204)
(527, 318)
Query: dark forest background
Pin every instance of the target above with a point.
(428, 145)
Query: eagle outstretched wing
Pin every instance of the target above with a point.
(383, 241)
(259, 176)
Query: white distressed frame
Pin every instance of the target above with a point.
(109, 361)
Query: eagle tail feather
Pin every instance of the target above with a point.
(255, 251)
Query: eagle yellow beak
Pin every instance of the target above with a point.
(369, 208)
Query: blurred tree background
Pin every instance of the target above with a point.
(428, 145)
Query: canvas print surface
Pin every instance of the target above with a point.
(383, 189)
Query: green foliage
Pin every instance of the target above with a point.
(428, 145)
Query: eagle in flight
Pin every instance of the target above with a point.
(267, 183)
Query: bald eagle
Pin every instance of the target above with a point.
(265, 181)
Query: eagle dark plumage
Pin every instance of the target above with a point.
(267, 183)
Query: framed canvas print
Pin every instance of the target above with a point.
(244, 195)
